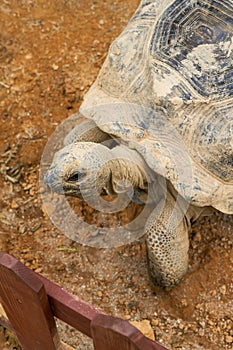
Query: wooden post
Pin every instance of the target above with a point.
(69, 308)
(113, 333)
(25, 302)
(27, 298)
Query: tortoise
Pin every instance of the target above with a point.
(165, 95)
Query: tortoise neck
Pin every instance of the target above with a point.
(127, 169)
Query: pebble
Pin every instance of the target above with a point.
(119, 280)
(184, 302)
(144, 327)
(155, 323)
(201, 332)
(60, 267)
(28, 56)
(229, 339)
(32, 192)
(181, 326)
(14, 204)
(26, 187)
(127, 317)
(55, 67)
(39, 270)
(223, 289)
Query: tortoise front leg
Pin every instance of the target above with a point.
(167, 243)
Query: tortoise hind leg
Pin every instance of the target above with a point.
(167, 243)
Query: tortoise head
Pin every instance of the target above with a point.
(78, 168)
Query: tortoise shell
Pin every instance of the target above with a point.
(166, 90)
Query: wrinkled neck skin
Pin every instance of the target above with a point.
(126, 168)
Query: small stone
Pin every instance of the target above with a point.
(214, 292)
(223, 289)
(229, 339)
(32, 192)
(14, 204)
(202, 323)
(39, 270)
(144, 327)
(26, 187)
(181, 326)
(60, 267)
(184, 302)
(30, 257)
(2, 312)
(143, 315)
(127, 317)
(201, 332)
(197, 237)
(55, 67)
(28, 56)
(155, 323)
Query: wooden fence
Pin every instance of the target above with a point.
(31, 302)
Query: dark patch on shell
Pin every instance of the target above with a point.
(183, 29)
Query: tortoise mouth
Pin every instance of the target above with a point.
(57, 184)
(71, 191)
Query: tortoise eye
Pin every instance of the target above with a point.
(76, 177)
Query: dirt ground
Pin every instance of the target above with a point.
(50, 54)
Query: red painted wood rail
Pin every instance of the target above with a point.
(31, 302)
